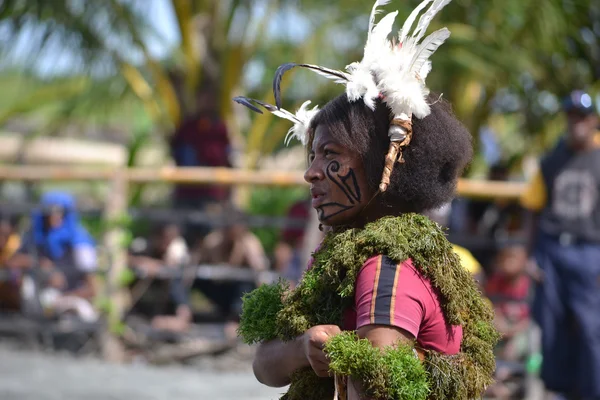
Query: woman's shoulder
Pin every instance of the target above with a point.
(381, 269)
(379, 260)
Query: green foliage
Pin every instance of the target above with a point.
(94, 225)
(259, 312)
(305, 381)
(390, 373)
(118, 328)
(408, 378)
(126, 277)
(104, 304)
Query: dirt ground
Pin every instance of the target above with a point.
(28, 375)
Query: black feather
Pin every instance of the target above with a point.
(327, 72)
(267, 106)
(277, 81)
(245, 101)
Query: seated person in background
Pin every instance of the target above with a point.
(234, 245)
(167, 251)
(9, 240)
(9, 287)
(61, 247)
(508, 290)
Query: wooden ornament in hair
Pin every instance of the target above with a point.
(400, 135)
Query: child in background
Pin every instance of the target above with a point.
(508, 290)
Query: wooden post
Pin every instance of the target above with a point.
(117, 296)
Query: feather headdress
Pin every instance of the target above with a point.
(392, 70)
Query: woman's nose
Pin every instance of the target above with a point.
(314, 172)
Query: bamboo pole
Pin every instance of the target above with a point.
(116, 208)
(224, 176)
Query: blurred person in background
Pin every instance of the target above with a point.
(201, 141)
(9, 286)
(59, 246)
(565, 244)
(234, 246)
(508, 290)
(9, 240)
(168, 252)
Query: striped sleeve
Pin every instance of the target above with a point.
(384, 296)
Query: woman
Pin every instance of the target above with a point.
(386, 307)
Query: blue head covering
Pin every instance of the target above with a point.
(55, 242)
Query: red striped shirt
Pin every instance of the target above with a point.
(388, 293)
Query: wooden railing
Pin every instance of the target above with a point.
(116, 204)
(221, 176)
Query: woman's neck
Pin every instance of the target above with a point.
(374, 211)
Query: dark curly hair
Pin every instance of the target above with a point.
(440, 149)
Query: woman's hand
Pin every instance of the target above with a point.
(313, 342)
(275, 361)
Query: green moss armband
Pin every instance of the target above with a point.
(389, 373)
(258, 321)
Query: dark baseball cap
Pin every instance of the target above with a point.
(579, 101)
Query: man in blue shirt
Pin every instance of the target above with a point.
(565, 198)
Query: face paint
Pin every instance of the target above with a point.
(347, 183)
(337, 178)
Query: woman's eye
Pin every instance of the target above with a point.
(329, 153)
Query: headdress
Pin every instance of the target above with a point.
(391, 70)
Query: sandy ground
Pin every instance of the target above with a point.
(27, 375)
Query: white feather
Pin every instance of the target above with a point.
(374, 12)
(381, 31)
(426, 18)
(303, 117)
(285, 114)
(411, 19)
(329, 73)
(397, 72)
(425, 70)
(361, 80)
(427, 48)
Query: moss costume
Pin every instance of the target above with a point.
(326, 290)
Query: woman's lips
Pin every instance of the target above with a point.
(317, 200)
(318, 197)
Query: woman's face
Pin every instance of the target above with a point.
(338, 184)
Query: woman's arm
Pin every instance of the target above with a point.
(275, 361)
